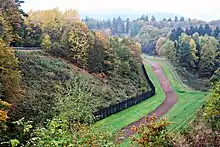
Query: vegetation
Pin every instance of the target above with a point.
(54, 86)
(152, 133)
(188, 103)
(198, 55)
(116, 122)
(9, 75)
(48, 97)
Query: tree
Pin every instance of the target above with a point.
(193, 53)
(170, 19)
(5, 30)
(146, 18)
(187, 31)
(201, 30)
(119, 25)
(195, 37)
(78, 42)
(114, 26)
(207, 30)
(192, 30)
(159, 44)
(168, 50)
(127, 26)
(176, 19)
(181, 19)
(14, 17)
(100, 57)
(153, 18)
(53, 22)
(46, 42)
(176, 33)
(207, 60)
(33, 34)
(216, 32)
(142, 17)
(164, 19)
(9, 75)
(183, 50)
(187, 53)
(135, 28)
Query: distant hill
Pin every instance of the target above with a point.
(124, 13)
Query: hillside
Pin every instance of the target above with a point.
(68, 82)
(44, 76)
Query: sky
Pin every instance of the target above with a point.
(200, 9)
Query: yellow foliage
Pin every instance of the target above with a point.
(5, 104)
(52, 17)
(78, 42)
(46, 42)
(103, 38)
(71, 15)
(5, 29)
(9, 75)
(160, 43)
(152, 133)
(3, 115)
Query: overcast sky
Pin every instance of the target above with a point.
(200, 9)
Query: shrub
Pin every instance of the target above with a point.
(152, 133)
(212, 106)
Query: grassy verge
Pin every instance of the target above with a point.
(188, 103)
(117, 121)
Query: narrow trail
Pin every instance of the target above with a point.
(170, 100)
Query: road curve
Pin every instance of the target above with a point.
(170, 100)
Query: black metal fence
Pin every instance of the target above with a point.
(105, 112)
(27, 48)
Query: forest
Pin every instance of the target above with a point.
(57, 70)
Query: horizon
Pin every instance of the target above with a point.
(191, 9)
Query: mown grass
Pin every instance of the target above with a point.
(116, 122)
(189, 101)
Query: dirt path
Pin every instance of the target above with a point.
(169, 102)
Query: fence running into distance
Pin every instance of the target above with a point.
(112, 109)
(27, 48)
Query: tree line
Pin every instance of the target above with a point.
(198, 54)
(116, 62)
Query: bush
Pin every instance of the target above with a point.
(212, 111)
(152, 133)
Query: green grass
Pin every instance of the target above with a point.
(122, 119)
(189, 101)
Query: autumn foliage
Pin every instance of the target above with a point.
(152, 133)
(9, 74)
